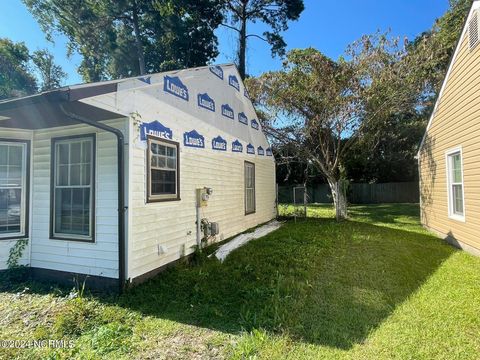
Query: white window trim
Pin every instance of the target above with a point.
(24, 201)
(452, 215)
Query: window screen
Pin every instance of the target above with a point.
(249, 187)
(455, 184)
(163, 170)
(13, 184)
(73, 187)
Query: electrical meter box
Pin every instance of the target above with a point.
(202, 197)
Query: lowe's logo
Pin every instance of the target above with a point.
(217, 71)
(227, 111)
(155, 128)
(206, 102)
(219, 143)
(255, 124)
(233, 81)
(237, 146)
(250, 149)
(260, 151)
(146, 80)
(269, 152)
(193, 139)
(174, 86)
(243, 118)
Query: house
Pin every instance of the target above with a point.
(118, 179)
(449, 155)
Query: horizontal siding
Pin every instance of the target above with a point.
(172, 224)
(99, 258)
(456, 122)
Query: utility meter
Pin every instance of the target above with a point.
(203, 195)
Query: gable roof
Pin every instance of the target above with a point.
(43, 110)
(475, 6)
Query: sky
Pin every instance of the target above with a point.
(328, 25)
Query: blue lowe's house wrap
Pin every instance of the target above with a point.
(146, 79)
(233, 81)
(237, 146)
(217, 71)
(206, 102)
(228, 112)
(174, 86)
(193, 139)
(219, 143)
(155, 139)
(155, 128)
(243, 118)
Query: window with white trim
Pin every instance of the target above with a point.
(13, 189)
(249, 188)
(73, 188)
(456, 202)
(163, 172)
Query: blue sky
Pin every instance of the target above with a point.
(328, 25)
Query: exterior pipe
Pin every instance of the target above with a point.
(121, 188)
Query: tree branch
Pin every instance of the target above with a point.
(230, 27)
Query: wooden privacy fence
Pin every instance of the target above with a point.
(398, 192)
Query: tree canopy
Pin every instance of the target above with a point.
(22, 73)
(16, 78)
(132, 37)
(274, 13)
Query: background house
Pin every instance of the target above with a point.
(449, 156)
(102, 178)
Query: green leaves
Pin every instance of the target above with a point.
(125, 38)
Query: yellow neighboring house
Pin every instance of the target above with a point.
(449, 155)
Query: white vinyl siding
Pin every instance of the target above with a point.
(249, 187)
(13, 189)
(93, 258)
(456, 202)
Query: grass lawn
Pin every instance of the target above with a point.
(375, 287)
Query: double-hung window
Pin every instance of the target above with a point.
(456, 202)
(249, 188)
(163, 170)
(73, 188)
(14, 170)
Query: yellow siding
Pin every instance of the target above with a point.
(456, 123)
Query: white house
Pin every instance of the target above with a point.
(102, 179)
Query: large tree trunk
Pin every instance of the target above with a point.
(242, 47)
(339, 198)
(138, 40)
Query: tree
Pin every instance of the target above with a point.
(274, 13)
(16, 78)
(386, 151)
(163, 34)
(326, 105)
(51, 75)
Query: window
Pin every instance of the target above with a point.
(456, 205)
(163, 170)
(249, 188)
(14, 169)
(73, 188)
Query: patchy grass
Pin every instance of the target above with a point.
(375, 286)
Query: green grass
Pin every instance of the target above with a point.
(375, 286)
